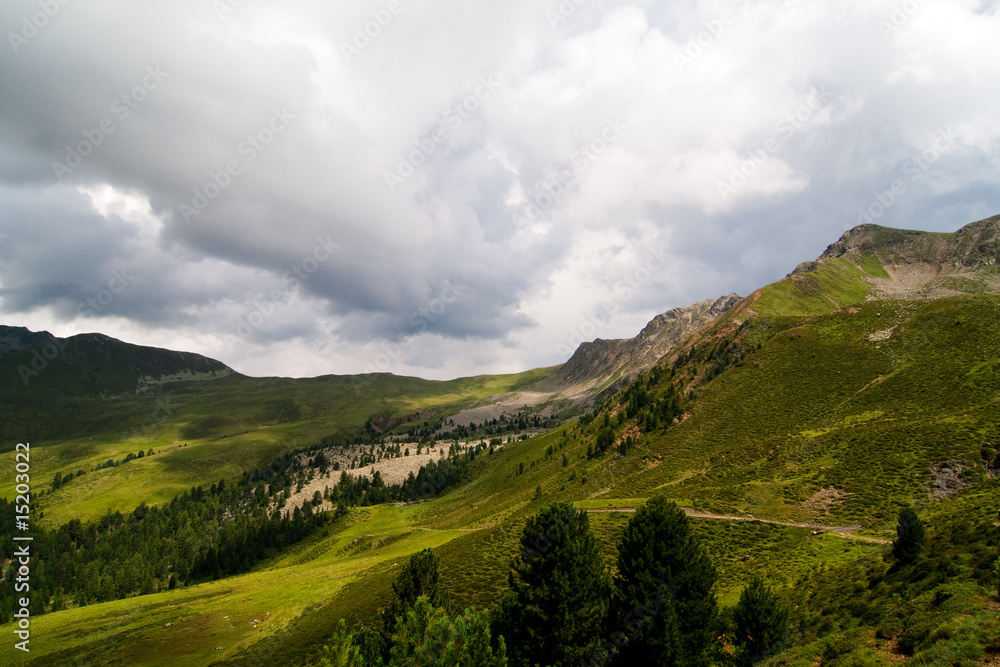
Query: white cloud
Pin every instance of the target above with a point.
(494, 109)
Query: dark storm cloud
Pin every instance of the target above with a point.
(309, 179)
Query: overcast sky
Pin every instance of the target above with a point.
(444, 189)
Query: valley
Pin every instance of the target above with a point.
(791, 426)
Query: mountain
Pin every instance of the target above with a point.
(598, 368)
(793, 425)
(97, 365)
(94, 364)
(973, 246)
(596, 363)
(926, 265)
(15, 339)
(913, 264)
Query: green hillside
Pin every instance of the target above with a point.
(793, 429)
(199, 430)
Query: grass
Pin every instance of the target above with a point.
(837, 284)
(206, 431)
(819, 421)
(220, 613)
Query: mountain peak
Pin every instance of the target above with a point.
(15, 339)
(95, 363)
(973, 245)
(595, 363)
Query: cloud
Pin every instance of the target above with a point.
(292, 189)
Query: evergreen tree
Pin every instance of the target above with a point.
(341, 652)
(761, 623)
(664, 610)
(428, 636)
(418, 578)
(425, 635)
(909, 540)
(555, 610)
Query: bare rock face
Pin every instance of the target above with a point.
(594, 364)
(603, 366)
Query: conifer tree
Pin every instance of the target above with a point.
(761, 623)
(555, 610)
(664, 611)
(909, 540)
(419, 577)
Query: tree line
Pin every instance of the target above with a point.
(200, 535)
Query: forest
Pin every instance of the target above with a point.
(202, 534)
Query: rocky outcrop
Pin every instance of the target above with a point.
(602, 366)
(919, 265)
(596, 363)
(977, 244)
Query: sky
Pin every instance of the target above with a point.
(445, 189)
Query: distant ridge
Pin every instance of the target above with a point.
(93, 364)
(597, 362)
(15, 339)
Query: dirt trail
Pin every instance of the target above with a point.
(847, 532)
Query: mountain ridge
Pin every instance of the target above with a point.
(94, 362)
(811, 403)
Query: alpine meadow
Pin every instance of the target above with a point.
(500, 333)
(804, 476)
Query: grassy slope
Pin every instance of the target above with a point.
(818, 405)
(204, 431)
(202, 617)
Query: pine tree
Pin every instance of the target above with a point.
(419, 577)
(761, 623)
(909, 540)
(664, 610)
(341, 652)
(555, 610)
(428, 636)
